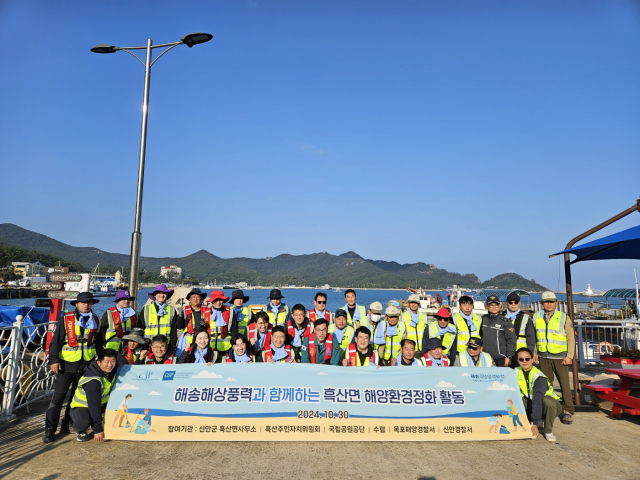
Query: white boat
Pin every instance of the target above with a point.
(590, 293)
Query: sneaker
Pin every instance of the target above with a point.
(82, 436)
(550, 437)
(566, 418)
(49, 436)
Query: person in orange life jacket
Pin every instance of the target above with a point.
(159, 297)
(123, 319)
(407, 357)
(258, 332)
(445, 331)
(136, 346)
(276, 351)
(361, 353)
(357, 313)
(200, 350)
(319, 347)
(240, 314)
(276, 309)
(238, 352)
(222, 325)
(194, 319)
(321, 311)
(74, 330)
(433, 356)
(161, 352)
(474, 356)
(299, 327)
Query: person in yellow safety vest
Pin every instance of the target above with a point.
(343, 332)
(240, 312)
(443, 329)
(321, 311)
(474, 356)
(194, 319)
(407, 357)
(433, 356)
(523, 325)
(540, 400)
(91, 397)
(115, 323)
(221, 325)
(388, 336)
(278, 312)
(361, 353)
(356, 314)
(414, 322)
(374, 316)
(467, 323)
(71, 349)
(556, 347)
(160, 318)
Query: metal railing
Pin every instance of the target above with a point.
(601, 337)
(25, 376)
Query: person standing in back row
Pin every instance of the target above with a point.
(278, 312)
(321, 311)
(467, 323)
(498, 334)
(240, 313)
(160, 318)
(356, 314)
(555, 343)
(523, 326)
(414, 322)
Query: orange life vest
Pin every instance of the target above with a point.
(429, 362)
(328, 348)
(313, 316)
(189, 318)
(117, 321)
(70, 324)
(353, 356)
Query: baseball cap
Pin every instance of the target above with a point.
(549, 297)
(474, 342)
(376, 307)
(340, 313)
(413, 299)
(513, 296)
(493, 299)
(392, 311)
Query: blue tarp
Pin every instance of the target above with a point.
(32, 316)
(621, 245)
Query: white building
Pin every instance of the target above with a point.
(27, 269)
(172, 271)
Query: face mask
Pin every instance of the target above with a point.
(375, 317)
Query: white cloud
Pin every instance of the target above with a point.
(445, 384)
(231, 380)
(205, 374)
(154, 393)
(322, 373)
(465, 374)
(500, 386)
(127, 386)
(470, 391)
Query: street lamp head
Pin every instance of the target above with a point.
(196, 38)
(104, 48)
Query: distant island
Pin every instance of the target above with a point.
(346, 270)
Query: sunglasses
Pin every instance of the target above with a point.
(320, 301)
(472, 348)
(513, 302)
(528, 359)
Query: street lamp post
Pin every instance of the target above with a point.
(188, 40)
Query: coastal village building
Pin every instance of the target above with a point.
(27, 269)
(172, 271)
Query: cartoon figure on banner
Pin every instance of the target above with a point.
(142, 426)
(122, 412)
(513, 414)
(494, 420)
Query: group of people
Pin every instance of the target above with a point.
(85, 351)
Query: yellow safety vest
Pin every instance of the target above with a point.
(111, 340)
(550, 337)
(282, 315)
(522, 338)
(348, 335)
(463, 330)
(414, 333)
(485, 360)
(526, 387)
(82, 351)
(392, 344)
(364, 318)
(242, 325)
(446, 339)
(157, 326)
(80, 397)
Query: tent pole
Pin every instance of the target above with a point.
(567, 275)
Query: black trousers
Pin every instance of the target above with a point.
(81, 419)
(61, 388)
(499, 361)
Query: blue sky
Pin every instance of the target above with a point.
(477, 136)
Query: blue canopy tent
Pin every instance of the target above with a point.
(621, 245)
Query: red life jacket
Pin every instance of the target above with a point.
(189, 318)
(429, 362)
(128, 356)
(313, 316)
(253, 331)
(353, 356)
(117, 321)
(328, 348)
(268, 353)
(70, 324)
(152, 360)
(291, 330)
(224, 331)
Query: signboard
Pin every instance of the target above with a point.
(62, 295)
(48, 286)
(58, 270)
(66, 277)
(79, 285)
(303, 402)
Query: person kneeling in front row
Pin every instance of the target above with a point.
(361, 354)
(161, 353)
(433, 356)
(540, 401)
(474, 356)
(238, 352)
(276, 351)
(200, 350)
(92, 395)
(407, 357)
(321, 347)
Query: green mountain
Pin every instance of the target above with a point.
(347, 269)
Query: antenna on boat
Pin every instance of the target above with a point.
(637, 296)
